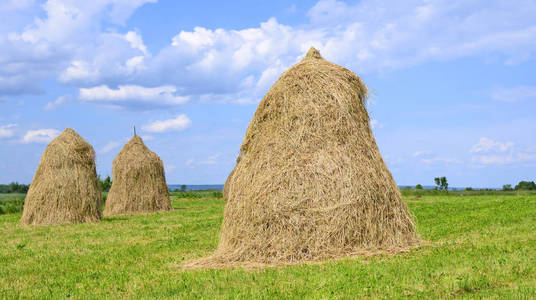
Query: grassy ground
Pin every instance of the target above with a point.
(482, 246)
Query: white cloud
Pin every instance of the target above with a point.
(515, 94)
(132, 96)
(374, 123)
(421, 153)
(7, 131)
(502, 159)
(110, 146)
(136, 41)
(40, 136)
(179, 123)
(489, 152)
(147, 137)
(441, 160)
(73, 42)
(212, 160)
(488, 145)
(39, 40)
(169, 168)
(54, 104)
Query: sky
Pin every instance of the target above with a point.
(453, 82)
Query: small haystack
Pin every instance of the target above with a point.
(139, 183)
(65, 188)
(310, 182)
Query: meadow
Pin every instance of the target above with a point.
(477, 245)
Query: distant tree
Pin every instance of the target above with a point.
(106, 184)
(444, 183)
(437, 182)
(526, 185)
(418, 187)
(183, 188)
(507, 187)
(468, 188)
(14, 187)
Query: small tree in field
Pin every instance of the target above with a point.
(444, 183)
(507, 187)
(418, 187)
(437, 182)
(441, 183)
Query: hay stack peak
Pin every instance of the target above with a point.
(313, 54)
(310, 182)
(64, 189)
(139, 183)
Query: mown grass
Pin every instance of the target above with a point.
(480, 247)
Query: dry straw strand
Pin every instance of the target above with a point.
(139, 183)
(64, 189)
(310, 182)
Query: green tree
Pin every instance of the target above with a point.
(444, 183)
(526, 185)
(183, 188)
(418, 187)
(507, 187)
(106, 184)
(437, 181)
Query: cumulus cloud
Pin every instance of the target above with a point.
(56, 103)
(515, 94)
(510, 158)
(38, 41)
(69, 42)
(441, 160)
(421, 153)
(489, 145)
(487, 151)
(132, 96)
(110, 146)
(179, 123)
(40, 136)
(7, 131)
(374, 123)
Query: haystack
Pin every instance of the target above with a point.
(310, 182)
(65, 188)
(139, 183)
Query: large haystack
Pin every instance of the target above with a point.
(310, 182)
(139, 183)
(65, 187)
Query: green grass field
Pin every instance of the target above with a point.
(480, 247)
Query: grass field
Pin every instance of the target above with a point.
(480, 246)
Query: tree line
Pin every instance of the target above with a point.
(14, 187)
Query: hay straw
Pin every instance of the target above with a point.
(310, 182)
(139, 183)
(64, 189)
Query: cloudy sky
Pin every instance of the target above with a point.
(454, 84)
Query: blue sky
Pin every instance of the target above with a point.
(454, 84)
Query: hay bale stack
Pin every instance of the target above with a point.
(310, 182)
(139, 182)
(64, 189)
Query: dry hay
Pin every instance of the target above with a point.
(64, 189)
(310, 182)
(139, 182)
